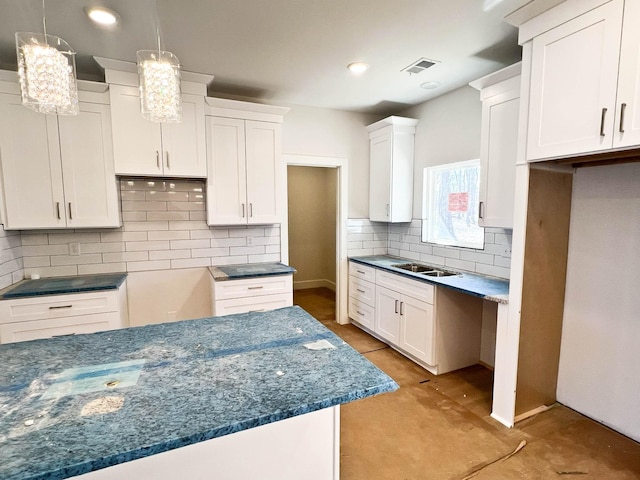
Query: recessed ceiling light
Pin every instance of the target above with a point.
(430, 85)
(358, 67)
(102, 16)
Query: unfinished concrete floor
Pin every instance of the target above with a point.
(439, 428)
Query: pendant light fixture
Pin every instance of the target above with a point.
(47, 72)
(159, 75)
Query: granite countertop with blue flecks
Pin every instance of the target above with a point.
(489, 288)
(250, 270)
(75, 404)
(62, 285)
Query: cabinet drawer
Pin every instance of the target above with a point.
(259, 303)
(362, 313)
(35, 329)
(58, 306)
(413, 288)
(252, 286)
(363, 272)
(362, 290)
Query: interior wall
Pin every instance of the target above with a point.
(312, 225)
(601, 332)
(448, 131)
(333, 133)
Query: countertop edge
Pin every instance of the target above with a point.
(150, 450)
(92, 288)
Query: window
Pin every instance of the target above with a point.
(450, 205)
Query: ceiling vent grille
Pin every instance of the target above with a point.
(419, 66)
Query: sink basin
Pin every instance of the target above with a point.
(438, 273)
(413, 267)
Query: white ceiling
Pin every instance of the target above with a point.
(290, 51)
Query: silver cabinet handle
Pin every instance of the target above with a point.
(251, 209)
(604, 114)
(166, 154)
(58, 209)
(70, 214)
(360, 290)
(58, 307)
(243, 210)
(256, 311)
(255, 288)
(396, 306)
(360, 313)
(360, 271)
(386, 210)
(481, 210)
(401, 309)
(623, 107)
(158, 159)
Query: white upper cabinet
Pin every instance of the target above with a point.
(391, 144)
(142, 147)
(245, 181)
(584, 89)
(500, 95)
(57, 172)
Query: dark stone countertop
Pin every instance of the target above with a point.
(493, 289)
(249, 270)
(61, 285)
(179, 383)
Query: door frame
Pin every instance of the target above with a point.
(340, 164)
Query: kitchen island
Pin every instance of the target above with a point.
(241, 396)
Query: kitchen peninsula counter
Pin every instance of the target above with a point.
(77, 404)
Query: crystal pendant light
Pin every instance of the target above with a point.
(47, 72)
(160, 98)
(159, 72)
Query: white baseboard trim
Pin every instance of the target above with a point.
(304, 284)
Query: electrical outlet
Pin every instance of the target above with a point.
(249, 241)
(74, 248)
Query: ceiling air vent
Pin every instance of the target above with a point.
(419, 66)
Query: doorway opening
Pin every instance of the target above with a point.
(314, 236)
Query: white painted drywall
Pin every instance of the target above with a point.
(333, 133)
(601, 327)
(448, 131)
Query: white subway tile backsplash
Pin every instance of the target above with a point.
(134, 216)
(169, 235)
(101, 268)
(170, 216)
(199, 215)
(147, 246)
(149, 265)
(44, 261)
(182, 244)
(124, 257)
(57, 260)
(59, 238)
(145, 226)
(273, 257)
(41, 250)
(104, 247)
(234, 241)
(255, 250)
(33, 239)
(120, 236)
(169, 254)
(61, 271)
(191, 263)
(210, 252)
(187, 225)
(404, 240)
(170, 196)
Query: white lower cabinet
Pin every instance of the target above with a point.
(49, 316)
(438, 328)
(251, 294)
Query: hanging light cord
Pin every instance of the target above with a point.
(44, 23)
(155, 6)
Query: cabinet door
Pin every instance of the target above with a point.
(417, 329)
(627, 127)
(137, 147)
(264, 172)
(31, 172)
(574, 71)
(184, 143)
(387, 323)
(498, 159)
(226, 172)
(90, 191)
(380, 176)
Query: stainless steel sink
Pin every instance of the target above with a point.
(413, 267)
(438, 273)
